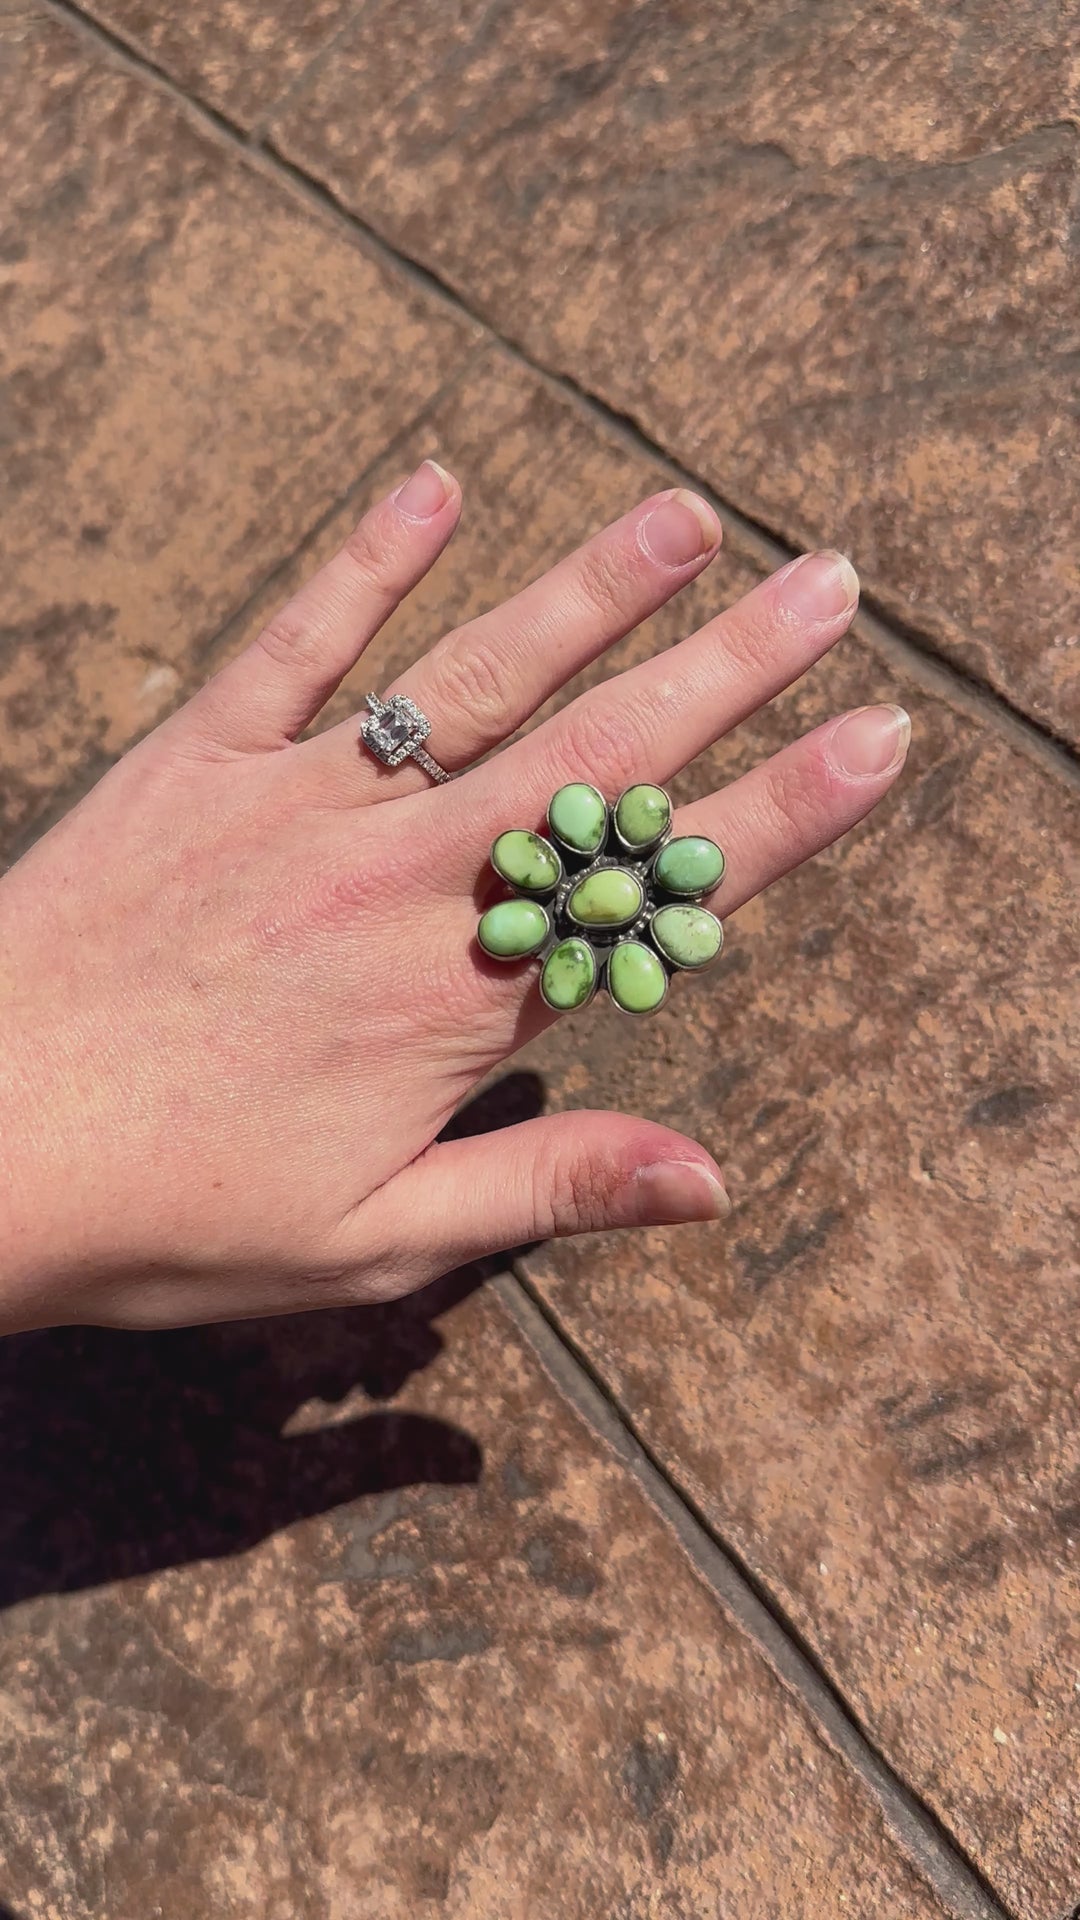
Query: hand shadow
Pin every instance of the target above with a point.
(127, 1452)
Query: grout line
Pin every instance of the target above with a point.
(949, 1871)
(902, 646)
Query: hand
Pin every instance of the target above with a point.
(240, 986)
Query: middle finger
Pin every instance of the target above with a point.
(649, 722)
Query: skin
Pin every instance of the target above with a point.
(240, 994)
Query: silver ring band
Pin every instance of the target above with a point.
(394, 730)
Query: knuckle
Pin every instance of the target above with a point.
(604, 740)
(288, 639)
(471, 676)
(607, 575)
(797, 793)
(579, 1194)
(374, 558)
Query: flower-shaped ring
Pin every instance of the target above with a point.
(606, 899)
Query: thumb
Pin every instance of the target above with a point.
(563, 1174)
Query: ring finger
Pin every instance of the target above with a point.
(480, 682)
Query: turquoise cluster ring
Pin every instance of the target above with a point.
(606, 898)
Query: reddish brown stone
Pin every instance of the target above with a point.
(823, 255)
(461, 1667)
(239, 56)
(867, 1377)
(194, 371)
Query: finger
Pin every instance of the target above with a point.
(482, 681)
(801, 800)
(566, 1173)
(274, 689)
(649, 722)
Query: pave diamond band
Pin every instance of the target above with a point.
(394, 730)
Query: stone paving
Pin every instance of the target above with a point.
(688, 1574)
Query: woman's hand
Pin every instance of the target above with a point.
(240, 988)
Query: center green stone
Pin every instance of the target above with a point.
(578, 816)
(636, 979)
(610, 898)
(687, 936)
(525, 860)
(568, 975)
(691, 864)
(513, 929)
(642, 815)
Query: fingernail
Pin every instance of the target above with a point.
(425, 491)
(819, 586)
(679, 530)
(869, 742)
(676, 1190)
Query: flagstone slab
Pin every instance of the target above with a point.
(195, 369)
(822, 254)
(368, 1623)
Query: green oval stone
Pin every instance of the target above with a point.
(611, 898)
(642, 814)
(569, 975)
(689, 865)
(688, 936)
(579, 816)
(513, 928)
(525, 860)
(636, 980)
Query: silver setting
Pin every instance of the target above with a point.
(394, 730)
(604, 941)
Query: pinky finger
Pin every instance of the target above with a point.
(801, 800)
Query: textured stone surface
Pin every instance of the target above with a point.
(825, 254)
(460, 1667)
(238, 56)
(194, 370)
(868, 1374)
